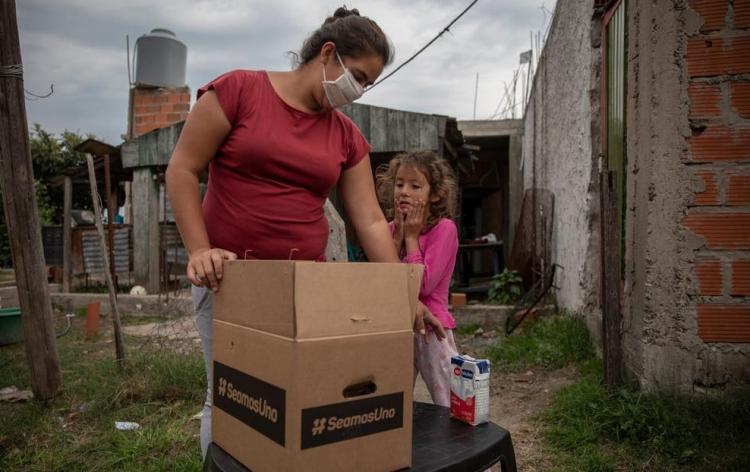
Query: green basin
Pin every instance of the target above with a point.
(10, 325)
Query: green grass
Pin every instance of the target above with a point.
(131, 319)
(466, 330)
(7, 275)
(552, 342)
(589, 427)
(161, 390)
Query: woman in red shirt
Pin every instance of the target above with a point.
(275, 145)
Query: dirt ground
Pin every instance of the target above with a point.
(516, 397)
(515, 400)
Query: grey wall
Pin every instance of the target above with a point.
(560, 153)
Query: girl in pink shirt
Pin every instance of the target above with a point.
(418, 193)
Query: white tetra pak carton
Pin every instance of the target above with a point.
(470, 389)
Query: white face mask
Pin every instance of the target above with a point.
(343, 90)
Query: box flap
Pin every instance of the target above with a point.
(335, 299)
(257, 294)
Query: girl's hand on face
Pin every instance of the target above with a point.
(398, 230)
(205, 267)
(414, 221)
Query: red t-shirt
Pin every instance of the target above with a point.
(270, 177)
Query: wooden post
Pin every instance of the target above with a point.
(110, 222)
(119, 348)
(19, 202)
(611, 260)
(67, 233)
(145, 194)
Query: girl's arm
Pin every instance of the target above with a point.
(438, 256)
(205, 129)
(361, 204)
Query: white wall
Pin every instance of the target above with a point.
(558, 154)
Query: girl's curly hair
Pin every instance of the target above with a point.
(439, 175)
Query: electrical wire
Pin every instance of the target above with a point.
(442, 32)
(15, 71)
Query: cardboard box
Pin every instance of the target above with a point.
(313, 365)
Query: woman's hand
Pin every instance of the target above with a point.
(425, 318)
(205, 267)
(414, 221)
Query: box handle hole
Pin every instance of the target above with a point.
(360, 388)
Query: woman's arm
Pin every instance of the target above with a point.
(358, 192)
(205, 129)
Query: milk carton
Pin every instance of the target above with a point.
(470, 389)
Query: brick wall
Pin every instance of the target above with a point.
(154, 108)
(718, 58)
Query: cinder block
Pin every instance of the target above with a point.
(728, 323)
(712, 11)
(721, 230)
(711, 56)
(710, 277)
(741, 278)
(738, 188)
(710, 195)
(721, 144)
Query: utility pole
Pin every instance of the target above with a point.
(19, 202)
(476, 89)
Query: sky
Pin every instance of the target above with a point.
(79, 46)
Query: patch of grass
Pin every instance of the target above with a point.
(591, 428)
(466, 330)
(7, 275)
(161, 390)
(550, 342)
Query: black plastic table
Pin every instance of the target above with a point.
(439, 444)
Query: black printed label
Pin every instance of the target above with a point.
(256, 403)
(347, 420)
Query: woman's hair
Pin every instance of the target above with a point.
(438, 173)
(354, 36)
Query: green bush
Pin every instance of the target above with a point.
(505, 288)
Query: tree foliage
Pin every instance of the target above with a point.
(51, 155)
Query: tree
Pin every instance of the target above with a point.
(50, 156)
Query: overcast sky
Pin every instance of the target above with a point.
(79, 46)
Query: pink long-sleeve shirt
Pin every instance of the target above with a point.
(437, 252)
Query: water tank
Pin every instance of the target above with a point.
(160, 59)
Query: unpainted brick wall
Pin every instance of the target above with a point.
(718, 58)
(155, 108)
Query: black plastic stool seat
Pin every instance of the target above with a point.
(439, 444)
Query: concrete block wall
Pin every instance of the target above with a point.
(718, 155)
(154, 108)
